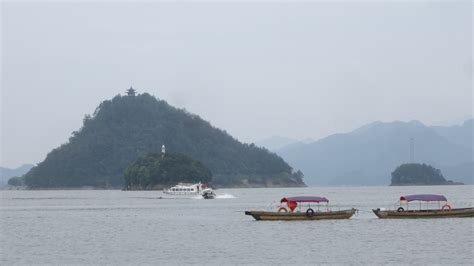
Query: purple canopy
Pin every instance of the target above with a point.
(424, 197)
(304, 199)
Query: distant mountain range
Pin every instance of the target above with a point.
(275, 143)
(7, 173)
(368, 155)
(460, 135)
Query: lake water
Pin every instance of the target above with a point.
(135, 227)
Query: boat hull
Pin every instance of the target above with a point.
(209, 196)
(300, 216)
(462, 212)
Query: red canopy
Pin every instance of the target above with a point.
(424, 197)
(304, 199)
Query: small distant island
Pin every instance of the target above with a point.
(415, 174)
(156, 171)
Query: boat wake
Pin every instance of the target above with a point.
(225, 196)
(218, 196)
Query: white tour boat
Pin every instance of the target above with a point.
(188, 189)
(184, 189)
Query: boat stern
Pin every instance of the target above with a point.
(380, 213)
(253, 214)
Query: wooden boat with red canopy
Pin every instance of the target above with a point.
(291, 213)
(444, 211)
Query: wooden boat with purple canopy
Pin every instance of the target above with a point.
(444, 211)
(289, 213)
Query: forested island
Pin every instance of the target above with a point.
(156, 171)
(125, 128)
(415, 174)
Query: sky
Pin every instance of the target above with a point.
(298, 70)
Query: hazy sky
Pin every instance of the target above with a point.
(301, 70)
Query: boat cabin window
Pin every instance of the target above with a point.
(183, 189)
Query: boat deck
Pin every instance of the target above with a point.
(299, 216)
(460, 212)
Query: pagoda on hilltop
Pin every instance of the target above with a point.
(131, 92)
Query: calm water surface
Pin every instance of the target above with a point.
(116, 227)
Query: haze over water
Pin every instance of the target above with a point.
(117, 227)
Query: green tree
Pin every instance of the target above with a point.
(156, 170)
(16, 181)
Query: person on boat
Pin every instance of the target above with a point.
(292, 205)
